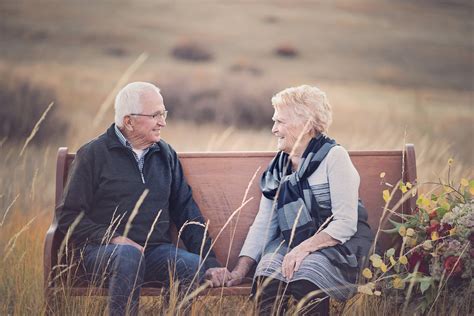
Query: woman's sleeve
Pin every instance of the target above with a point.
(263, 230)
(344, 183)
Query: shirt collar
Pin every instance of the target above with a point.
(126, 143)
(121, 138)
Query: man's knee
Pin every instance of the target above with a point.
(187, 264)
(128, 261)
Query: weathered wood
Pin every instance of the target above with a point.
(221, 184)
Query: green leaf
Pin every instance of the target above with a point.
(425, 284)
(434, 197)
(471, 183)
(390, 231)
(395, 223)
(396, 227)
(426, 216)
(390, 252)
(441, 211)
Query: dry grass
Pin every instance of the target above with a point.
(29, 216)
(387, 88)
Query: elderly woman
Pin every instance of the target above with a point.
(311, 233)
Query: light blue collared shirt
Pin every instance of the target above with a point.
(140, 160)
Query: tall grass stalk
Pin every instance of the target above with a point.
(8, 209)
(36, 128)
(217, 238)
(134, 213)
(120, 83)
(235, 228)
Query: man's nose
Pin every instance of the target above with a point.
(274, 128)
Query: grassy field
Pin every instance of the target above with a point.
(394, 71)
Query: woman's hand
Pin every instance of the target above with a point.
(292, 261)
(236, 278)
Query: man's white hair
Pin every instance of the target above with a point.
(127, 100)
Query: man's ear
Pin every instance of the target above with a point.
(127, 123)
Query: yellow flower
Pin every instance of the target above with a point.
(423, 201)
(398, 283)
(464, 182)
(386, 195)
(403, 188)
(410, 232)
(452, 231)
(447, 189)
(366, 289)
(450, 161)
(392, 260)
(403, 260)
(409, 185)
(427, 245)
(376, 261)
(383, 267)
(444, 204)
(402, 230)
(434, 236)
(367, 273)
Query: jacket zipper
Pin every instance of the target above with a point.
(136, 164)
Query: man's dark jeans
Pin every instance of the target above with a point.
(125, 269)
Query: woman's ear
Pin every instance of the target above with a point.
(308, 128)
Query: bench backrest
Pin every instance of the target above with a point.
(220, 182)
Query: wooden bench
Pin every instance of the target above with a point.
(220, 181)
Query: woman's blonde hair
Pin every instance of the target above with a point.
(307, 103)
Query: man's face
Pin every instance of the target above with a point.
(287, 128)
(146, 129)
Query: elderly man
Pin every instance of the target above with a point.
(124, 189)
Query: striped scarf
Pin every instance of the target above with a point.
(296, 205)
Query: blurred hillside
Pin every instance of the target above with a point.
(394, 71)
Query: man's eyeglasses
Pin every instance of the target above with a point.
(154, 116)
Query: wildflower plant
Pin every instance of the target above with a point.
(436, 256)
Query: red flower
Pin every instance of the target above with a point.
(432, 228)
(433, 215)
(444, 229)
(418, 258)
(453, 265)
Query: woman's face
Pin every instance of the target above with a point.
(287, 127)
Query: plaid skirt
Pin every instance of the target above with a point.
(316, 268)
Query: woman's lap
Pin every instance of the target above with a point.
(315, 268)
